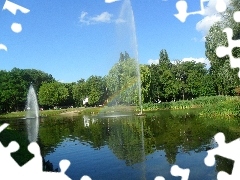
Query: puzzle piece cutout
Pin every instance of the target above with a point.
(177, 171)
(228, 150)
(182, 6)
(13, 8)
(222, 51)
(33, 168)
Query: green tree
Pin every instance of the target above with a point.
(145, 83)
(79, 92)
(122, 81)
(225, 78)
(52, 94)
(96, 90)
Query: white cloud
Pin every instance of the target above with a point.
(210, 17)
(205, 24)
(61, 81)
(104, 17)
(110, 1)
(153, 61)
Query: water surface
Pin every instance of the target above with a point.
(131, 147)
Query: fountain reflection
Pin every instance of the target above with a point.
(32, 129)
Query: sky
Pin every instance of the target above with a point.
(75, 39)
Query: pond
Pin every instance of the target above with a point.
(128, 147)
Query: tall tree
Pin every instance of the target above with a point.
(122, 81)
(220, 66)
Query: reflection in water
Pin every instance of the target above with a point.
(32, 125)
(132, 147)
(87, 120)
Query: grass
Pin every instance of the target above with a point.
(211, 106)
(44, 113)
(184, 104)
(88, 110)
(106, 109)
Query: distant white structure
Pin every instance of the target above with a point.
(85, 101)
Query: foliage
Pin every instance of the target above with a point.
(121, 82)
(14, 86)
(184, 104)
(52, 94)
(79, 92)
(96, 90)
(229, 107)
(225, 79)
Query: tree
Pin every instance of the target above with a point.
(96, 89)
(220, 66)
(164, 61)
(52, 94)
(145, 83)
(121, 81)
(69, 101)
(79, 92)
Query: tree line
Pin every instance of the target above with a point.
(168, 80)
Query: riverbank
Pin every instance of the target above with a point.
(73, 111)
(210, 106)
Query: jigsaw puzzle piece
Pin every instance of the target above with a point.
(3, 126)
(85, 178)
(159, 178)
(236, 16)
(10, 164)
(222, 51)
(223, 149)
(182, 11)
(12, 7)
(228, 150)
(177, 171)
(221, 6)
(34, 165)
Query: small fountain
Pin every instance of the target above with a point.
(32, 115)
(32, 109)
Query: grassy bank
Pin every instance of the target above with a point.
(106, 109)
(184, 104)
(87, 111)
(211, 106)
(44, 113)
(230, 107)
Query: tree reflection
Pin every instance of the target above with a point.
(133, 138)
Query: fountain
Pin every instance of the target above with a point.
(32, 109)
(127, 28)
(32, 115)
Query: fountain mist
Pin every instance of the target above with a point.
(127, 30)
(32, 109)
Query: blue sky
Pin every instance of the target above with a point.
(75, 39)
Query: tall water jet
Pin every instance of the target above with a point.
(128, 40)
(32, 109)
